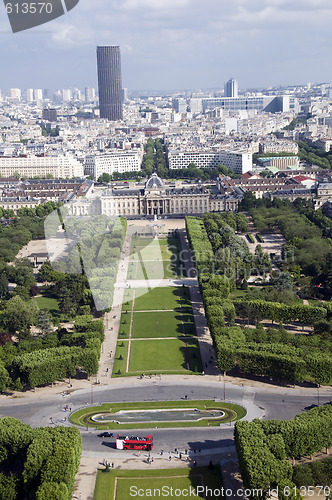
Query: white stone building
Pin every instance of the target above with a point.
(115, 161)
(239, 161)
(59, 166)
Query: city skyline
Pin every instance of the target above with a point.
(175, 44)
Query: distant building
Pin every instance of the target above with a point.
(180, 105)
(114, 161)
(272, 104)
(280, 162)
(14, 94)
(156, 198)
(38, 94)
(109, 82)
(58, 166)
(195, 105)
(231, 88)
(50, 114)
(29, 95)
(239, 161)
(89, 93)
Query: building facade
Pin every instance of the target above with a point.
(271, 104)
(115, 161)
(156, 198)
(239, 161)
(109, 82)
(58, 166)
(231, 88)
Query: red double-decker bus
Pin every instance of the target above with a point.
(134, 443)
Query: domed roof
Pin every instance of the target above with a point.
(154, 182)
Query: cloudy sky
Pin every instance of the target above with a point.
(175, 44)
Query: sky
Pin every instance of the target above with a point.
(174, 44)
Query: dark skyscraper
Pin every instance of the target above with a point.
(109, 82)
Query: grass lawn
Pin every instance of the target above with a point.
(120, 365)
(154, 252)
(161, 324)
(47, 303)
(115, 485)
(161, 269)
(157, 298)
(158, 356)
(124, 326)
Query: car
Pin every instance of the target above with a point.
(105, 434)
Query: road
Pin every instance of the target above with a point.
(265, 402)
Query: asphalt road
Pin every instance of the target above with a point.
(274, 402)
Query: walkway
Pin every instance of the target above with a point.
(112, 319)
(203, 333)
(226, 457)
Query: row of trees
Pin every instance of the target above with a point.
(314, 155)
(58, 355)
(264, 446)
(40, 463)
(280, 313)
(254, 351)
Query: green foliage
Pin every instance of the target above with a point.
(263, 445)
(9, 487)
(49, 365)
(52, 491)
(18, 316)
(49, 458)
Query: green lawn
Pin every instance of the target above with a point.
(161, 269)
(162, 324)
(124, 325)
(161, 355)
(120, 365)
(115, 485)
(47, 303)
(154, 252)
(157, 298)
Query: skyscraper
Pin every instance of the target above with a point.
(231, 88)
(109, 82)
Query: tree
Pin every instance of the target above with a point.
(104, 178)
(18, 316)
(44, 322)
(3, 286)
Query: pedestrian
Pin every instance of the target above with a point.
(195, 463)
(180, 456)
(170, 458)
(162, 452)
(112, 465)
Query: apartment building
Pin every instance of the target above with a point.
(239, 161)
(115, 161)
(58, 166)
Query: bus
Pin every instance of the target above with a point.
(134, 443)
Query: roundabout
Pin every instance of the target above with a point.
(170, 414)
